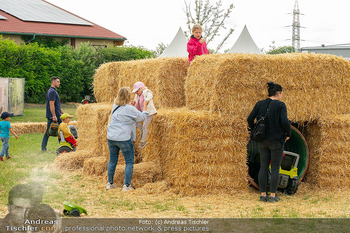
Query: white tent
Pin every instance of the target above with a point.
(245, 43)
(177, 47)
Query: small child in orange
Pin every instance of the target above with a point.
(68, 136)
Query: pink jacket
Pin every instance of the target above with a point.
(195, 48)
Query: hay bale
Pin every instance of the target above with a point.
(164, 76)
(73, 160)
(93, 120)
(329, 144)
(96, 166)
(33, 127)
(143, 173)
(106, 82)
(30, 127)
(314, 84)
(154, 188)
(199, 152)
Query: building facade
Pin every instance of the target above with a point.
(38, 18)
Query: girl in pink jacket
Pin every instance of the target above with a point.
(143, 102)
(196, 46)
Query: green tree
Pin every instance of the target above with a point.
(282, 49)
(123, 53)
(212, 17)
(32, 62)
(160, 49)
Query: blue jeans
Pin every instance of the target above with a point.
(127, 149)
(5, 147)
(46, 136)
(270, 150)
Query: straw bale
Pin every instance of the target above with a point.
(73, 160)
(329, 144)
(30, 127)
(106, 82)
(165, 77)
(95, 166)
(314, 84)
(93, 120)
(33, 127)
(143, 173)
(199, 152)
(154, 188)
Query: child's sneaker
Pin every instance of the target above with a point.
(8, 157)
(1, 159)
(127, 188)
(142, 144)
(110, 186)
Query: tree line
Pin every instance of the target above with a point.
(75, 66)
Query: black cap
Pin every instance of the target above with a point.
(5, 115)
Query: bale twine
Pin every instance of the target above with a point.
(329, 144)
(199, 152)
(313, 84)
(165, 77)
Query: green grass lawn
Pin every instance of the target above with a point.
(37, 112)
(26, 159)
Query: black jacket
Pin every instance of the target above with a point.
(278, 126)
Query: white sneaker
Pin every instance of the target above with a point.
(126, 188)
(110, 186)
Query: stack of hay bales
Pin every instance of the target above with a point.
(165, 77)
(201, 148)
(199, 152)
(329, 141)
(314, 85)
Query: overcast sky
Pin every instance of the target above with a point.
(150, 22)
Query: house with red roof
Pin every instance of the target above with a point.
(29, 19)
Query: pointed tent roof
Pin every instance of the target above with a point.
(177, 47)
(245, 43)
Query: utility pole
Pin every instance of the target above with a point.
(296, 27)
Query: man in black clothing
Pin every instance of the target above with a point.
(53, 109)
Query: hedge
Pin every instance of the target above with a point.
(75, 67)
